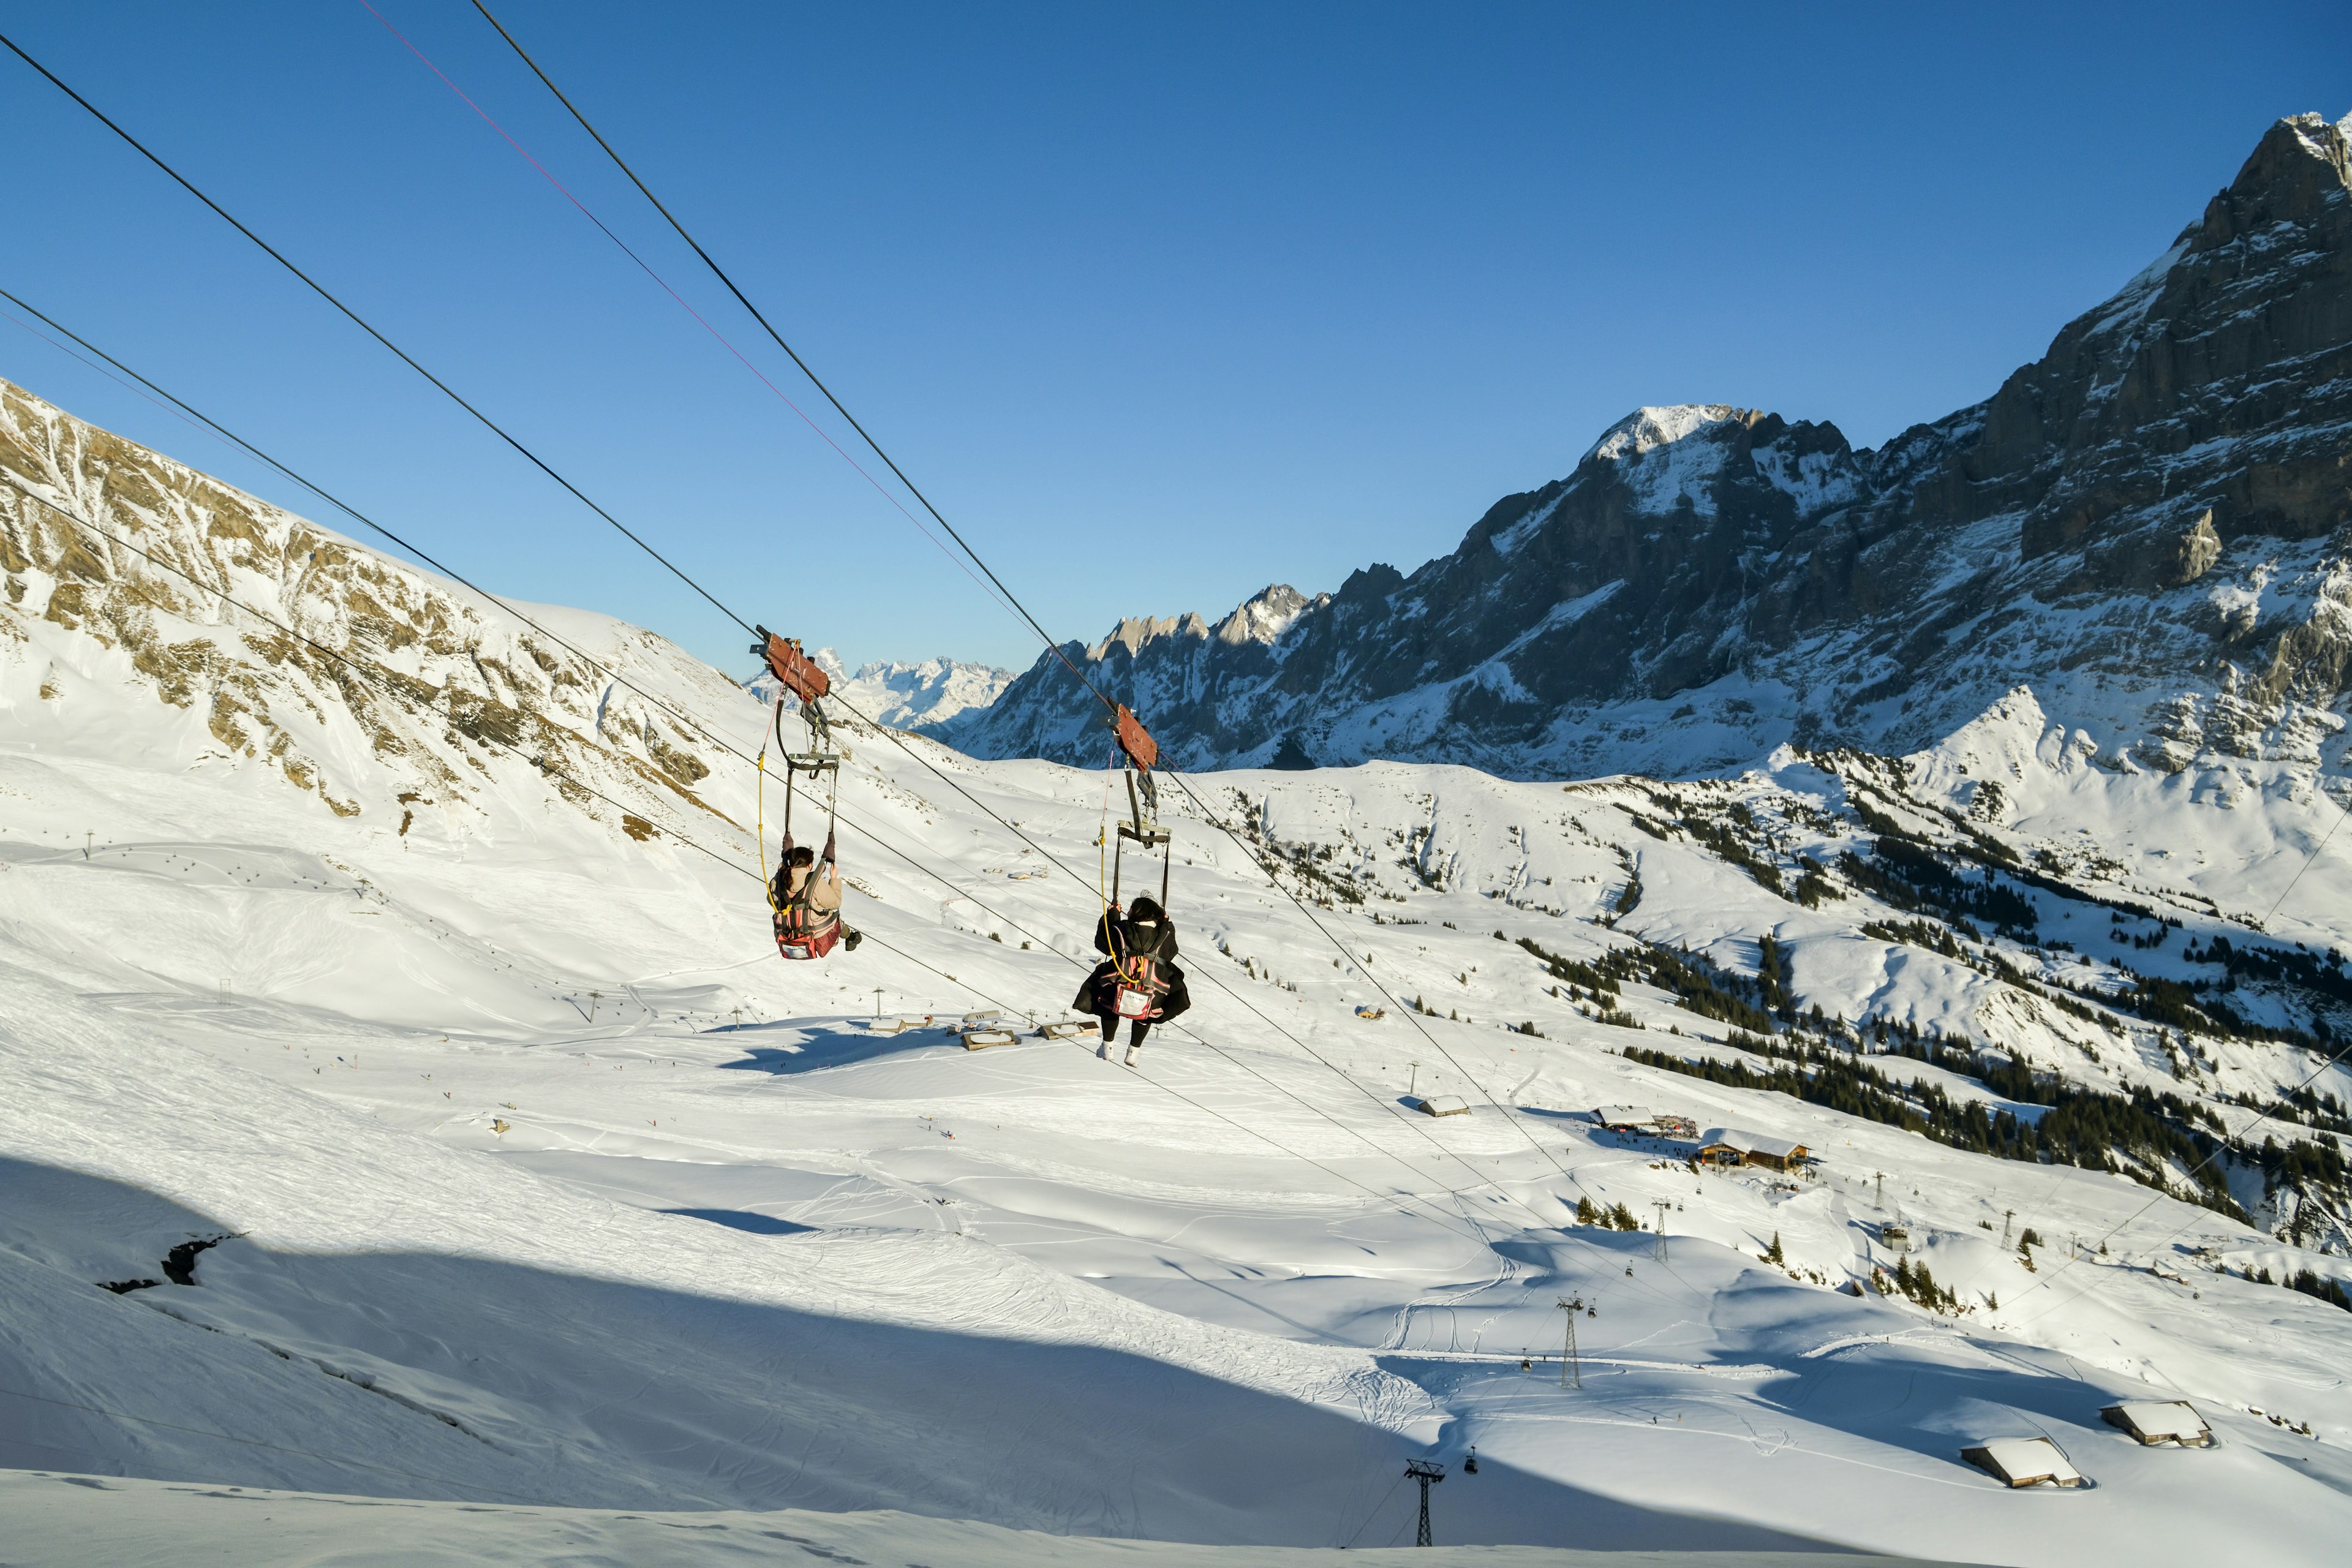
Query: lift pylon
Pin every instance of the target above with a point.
(1425, 1472)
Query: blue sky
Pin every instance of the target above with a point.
(1157, 304)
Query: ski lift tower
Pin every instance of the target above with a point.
(1568, 1365)
(1424, 1472)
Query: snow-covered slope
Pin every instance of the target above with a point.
(405, 1099)
(2144, 525)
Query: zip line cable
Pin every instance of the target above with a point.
(379, 683)
(912, 489)
(173, 403)
(357, 319)
(539, 762)
(534, 457)
(544, 766)
(1414, 1014)
(664, 283)
(720, 273)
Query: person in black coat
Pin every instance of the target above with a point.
(1141, 946)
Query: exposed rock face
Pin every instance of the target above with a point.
(400, 694)
(2146, 525)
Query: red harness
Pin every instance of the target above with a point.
(802, 931)
(1136, 985)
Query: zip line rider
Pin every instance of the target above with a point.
(806, 891)
(1138, 981)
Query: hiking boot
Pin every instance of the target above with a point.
(1134, 1054)
(850, 940)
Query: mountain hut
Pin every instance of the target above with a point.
(2023, 1462)
(1730, 1146)
(2160, 1421)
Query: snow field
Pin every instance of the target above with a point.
(543, 1183)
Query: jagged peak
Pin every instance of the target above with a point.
(1646, 429)
(1133, 632)
(1264, 618)
(2302, 164)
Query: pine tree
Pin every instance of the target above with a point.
(1773, 1253)
(1585, 1213)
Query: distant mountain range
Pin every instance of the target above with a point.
(914, 696)
(2146, 525)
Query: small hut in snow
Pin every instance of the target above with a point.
(1730, 1146)
(2160, 1421)
(2023, 1462)
(1442, 1105)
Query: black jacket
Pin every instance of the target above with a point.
(1122, 938)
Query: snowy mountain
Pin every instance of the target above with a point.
(404, 1100)
(913, 696)
(2144, 525)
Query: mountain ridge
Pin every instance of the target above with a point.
(2141, 523)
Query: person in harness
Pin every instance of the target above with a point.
(1138, 980)
(807, 894)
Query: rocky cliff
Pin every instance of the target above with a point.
(2147, 525)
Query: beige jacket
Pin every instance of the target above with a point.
(825, 899)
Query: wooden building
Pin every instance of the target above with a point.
(2023, 1462)
(2160, 1421)
(1730, 1146)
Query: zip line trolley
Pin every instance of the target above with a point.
(1141, 825)
(801, 930)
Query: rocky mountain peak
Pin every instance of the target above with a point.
(2137, 524)
(1646, 429)
(2302, 164)
(1266, 616)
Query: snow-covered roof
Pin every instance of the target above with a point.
(1621, 1115)
(1749, 1142)
(1445, 1105)
(2159, 1421)
(2024, 1462)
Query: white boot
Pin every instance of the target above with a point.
(1134, 1054)
(1102, 1052)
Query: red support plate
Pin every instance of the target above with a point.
(1135, 740)
(800, 674)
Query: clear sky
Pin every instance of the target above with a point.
(1158, 304)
